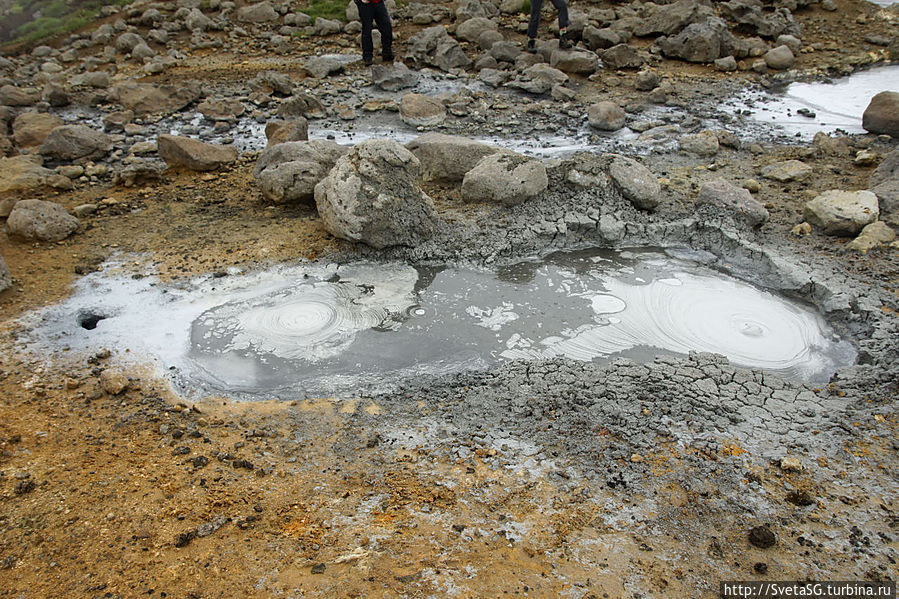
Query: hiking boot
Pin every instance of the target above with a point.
(387, 56)
(532, 45)
(564, 44)
(367, 60)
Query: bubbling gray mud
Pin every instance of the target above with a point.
(347, 331)
(325, 329)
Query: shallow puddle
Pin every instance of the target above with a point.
(804, 109)
(319, 329)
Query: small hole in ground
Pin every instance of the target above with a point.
(89, 321)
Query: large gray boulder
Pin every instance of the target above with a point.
(127, 42)
(193, 154)
(446, 158)
(722, 193)
(288, 172)
(754, 18)
(704, 143)
(197, 21)
(699, 42)
(322, 66)
(606, 116)
(21, 175)
(372, 196)
(668, 19)
(393, 77)
(506, 178)
(435, 47)
(582, 62)
(221, 110)
(539, 79)
(75, 143)
(882, 114)
(621, 56)
(472, 29)
(838, 212)
(5, 275)
(419, 110)
(272, 82)
(11, 95)
(44, 221)
(635, 182)
(261, 12)
(279, 132)
(30, 129)
(147, 98)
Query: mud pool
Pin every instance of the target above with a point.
(805, 108)
(319, 329)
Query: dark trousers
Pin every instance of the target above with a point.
(537, 6)
(377, 12)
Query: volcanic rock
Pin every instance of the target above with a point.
(288, 172)
(606, 116)
(882, 114)
(471, 29)
(779, 58)
(221, 110)
(75, 143)
(260, 12)
(635, 182)
(574, 61)
(621, 56)
(44, 221)
(419, 110)
(393, 77)
(30, 129)
(874, 235)
(24, 174)
(17, 96)
(721, 192)
(295, 129)
(839, 212)
(787, 170)
(704, 143)
(698, 42)
(506, 178)
(372, 195)
(446, 158)
(193, 154)
(5, 276)
(147, 98)
(435, 47)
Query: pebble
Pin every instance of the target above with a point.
(762, 537)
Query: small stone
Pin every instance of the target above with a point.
(865, 158)
(318, 569)
(801, 230)
(113, 381)
(791, 464)
(751, 185)
(762, 537)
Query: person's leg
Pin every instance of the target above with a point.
(382, 20)
(366, 15)
(562, 7)
(534, 22)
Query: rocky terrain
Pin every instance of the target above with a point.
(208, 139)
